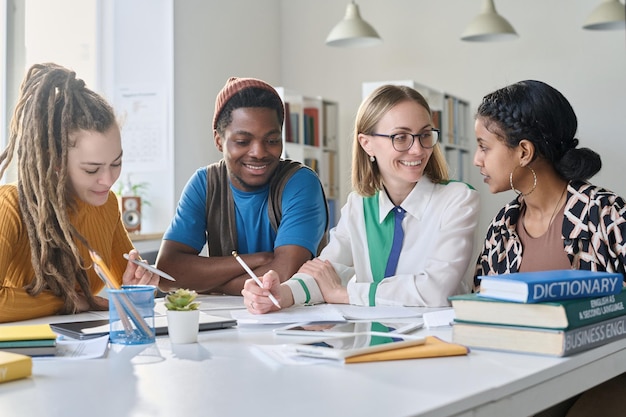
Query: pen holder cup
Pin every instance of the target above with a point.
(131, 315)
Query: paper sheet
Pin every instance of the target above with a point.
(286, 355)
(73, 349)
(220, 302)
(321, 312)
(378, 312)
(439, 318)
(327, 312)
(209, 303)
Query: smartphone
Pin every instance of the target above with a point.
(356, 344)
(343, 328)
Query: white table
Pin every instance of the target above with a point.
(222, 375)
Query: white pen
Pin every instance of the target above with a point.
(150, 268)
(254, 277)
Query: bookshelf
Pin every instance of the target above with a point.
(451, 115)
(310, 135)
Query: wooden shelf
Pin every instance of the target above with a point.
(138, 237)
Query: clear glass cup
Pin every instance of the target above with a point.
(131, 315)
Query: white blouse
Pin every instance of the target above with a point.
(438, 244)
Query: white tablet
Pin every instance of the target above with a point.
(343, 328)
(356, 344)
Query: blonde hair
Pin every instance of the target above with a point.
(366, 178)
(52, 105)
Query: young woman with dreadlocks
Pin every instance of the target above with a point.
(69, 154)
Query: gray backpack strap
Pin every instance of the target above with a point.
(221, 231)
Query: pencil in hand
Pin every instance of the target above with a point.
(254, 277)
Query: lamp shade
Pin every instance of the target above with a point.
(610, 15)
(353, 31)
(489, 26)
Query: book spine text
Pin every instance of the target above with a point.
(588, 337)
(576, 288)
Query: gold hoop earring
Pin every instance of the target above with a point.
(518, 192)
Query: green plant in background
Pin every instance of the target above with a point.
(139, 189)
(181, 300)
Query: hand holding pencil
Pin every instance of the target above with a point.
(256, 280)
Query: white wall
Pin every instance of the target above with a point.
(421, 42)
(214, 40)
(136, 68)
(70, 36)
(3, 64)
(282, 41)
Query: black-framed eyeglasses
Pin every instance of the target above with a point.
(403, 141)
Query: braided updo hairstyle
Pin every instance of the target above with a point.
(537, 112)
(52, 105)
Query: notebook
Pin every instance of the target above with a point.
(96, 328)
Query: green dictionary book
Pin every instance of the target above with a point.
(564, 314)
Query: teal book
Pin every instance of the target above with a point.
(36, 347)
(540, 286)
(564, 314)
(32, 350)
(27, 343)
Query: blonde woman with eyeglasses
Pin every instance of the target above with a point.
(405, 234)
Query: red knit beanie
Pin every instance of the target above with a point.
(235, 85)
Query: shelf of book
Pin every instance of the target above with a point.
(310, 136)
(451, 115)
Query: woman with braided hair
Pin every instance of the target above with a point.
(69, 154)
(526, 143)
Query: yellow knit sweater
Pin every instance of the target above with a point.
(101, 226)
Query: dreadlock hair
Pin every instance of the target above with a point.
(52, 105)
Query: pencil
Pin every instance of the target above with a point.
(254, 277)
(149, 267)
(127, 305)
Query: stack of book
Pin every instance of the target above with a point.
(555, 313)
(31, 339)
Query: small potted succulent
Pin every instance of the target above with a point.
(183, 316)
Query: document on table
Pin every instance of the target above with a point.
(353, 312)
(209, 303)
(73, 349)
(287, 355)
(220, 302)
(327, 312)
(297, 314)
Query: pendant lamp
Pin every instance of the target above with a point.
(610, 15)
(353, 31)
(488, 26)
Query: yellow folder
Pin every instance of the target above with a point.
(432, 348)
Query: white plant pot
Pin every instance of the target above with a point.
(182, 326)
